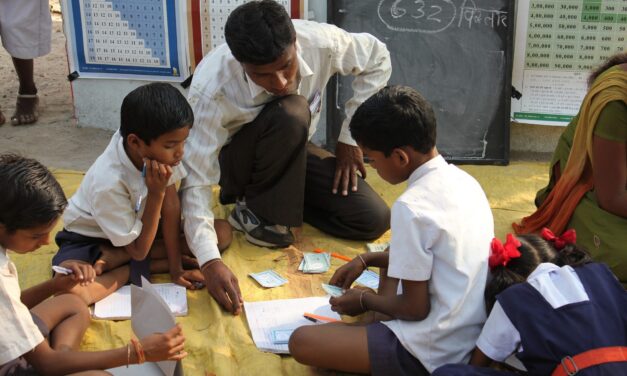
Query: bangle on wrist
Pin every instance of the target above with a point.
(139, 351)
(361, 300)
(208, 263)
(363, 261)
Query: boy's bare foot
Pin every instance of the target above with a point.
(110, 259)
(189, 262)
(2, 118)
(26, 109)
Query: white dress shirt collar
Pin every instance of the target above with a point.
(432, 164)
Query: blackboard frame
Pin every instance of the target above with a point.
(498, 133)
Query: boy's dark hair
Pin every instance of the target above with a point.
(395, 116)
(534, 250)
(152, 110)
(31, 196)
(259, 32)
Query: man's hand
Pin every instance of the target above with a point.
(349, 160)
(223, 286)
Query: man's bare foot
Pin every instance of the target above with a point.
(26, 109)
(110, 259)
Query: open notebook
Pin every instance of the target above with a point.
(284, 314)
(117, 306)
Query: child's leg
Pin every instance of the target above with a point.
(111, 258)
(67, 318)
(333, 346)
(104, 285)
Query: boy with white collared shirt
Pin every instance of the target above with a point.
(114, 216)
(429, 306)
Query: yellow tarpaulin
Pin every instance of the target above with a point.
(219, 343)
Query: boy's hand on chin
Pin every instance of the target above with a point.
(157, 176)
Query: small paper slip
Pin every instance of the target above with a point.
(117, 306)
(315, 263)
(269, 278)
(369, 279)
(332, 290)
(281, 336)
(284, 314)
(377, 247)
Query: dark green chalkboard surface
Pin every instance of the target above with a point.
(457, 53)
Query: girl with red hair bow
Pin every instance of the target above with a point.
(551, 307)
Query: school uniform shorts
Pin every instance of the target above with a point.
(25, 27)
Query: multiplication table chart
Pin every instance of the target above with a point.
(125, 37)
(558, 43)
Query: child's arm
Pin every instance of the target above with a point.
(171, 228)
(157, 177)
(157, 347)
(81, 273)
(345, 275)
(412, 305)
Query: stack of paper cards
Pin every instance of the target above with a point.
(377, 247)
(315, 263)
(332, 290)
(369, 279)
(269, 278)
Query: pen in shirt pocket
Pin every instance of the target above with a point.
(139, 199)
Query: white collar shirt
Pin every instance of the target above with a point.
(110, 201)
(224, 99)
(559, 286)
(442, 226)
(19, 333)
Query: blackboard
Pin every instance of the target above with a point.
(456, 53)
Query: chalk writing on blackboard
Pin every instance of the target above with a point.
(434, 16)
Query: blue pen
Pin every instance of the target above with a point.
(139, 199)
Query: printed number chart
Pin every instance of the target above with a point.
(122, 38)
(558, 43)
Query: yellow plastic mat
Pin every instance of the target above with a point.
(219, 343)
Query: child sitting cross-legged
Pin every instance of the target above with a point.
(433, 276)
(557, 311)
(41, 335)
(112, 220)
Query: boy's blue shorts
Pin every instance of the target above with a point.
(73, 246)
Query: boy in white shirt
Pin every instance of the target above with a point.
(434, 274)
(113, 218)
(41, 334)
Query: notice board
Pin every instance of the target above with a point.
(457, 53)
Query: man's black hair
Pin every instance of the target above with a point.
(395, 116)
(30, 195)
(152, 110)
(259, 32)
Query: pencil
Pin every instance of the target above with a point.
(333, 254)
(316, 318)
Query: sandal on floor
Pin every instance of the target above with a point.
(26, 109)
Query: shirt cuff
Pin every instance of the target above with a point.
(206, 253)
(345, 135)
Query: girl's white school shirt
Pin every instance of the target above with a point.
(106, 203)
(19, 333)
(559, 286)
(442, 226)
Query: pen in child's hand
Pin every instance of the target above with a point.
(62, 270)
(144, 170)
(317, 318)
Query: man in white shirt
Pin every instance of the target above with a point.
(256, 102)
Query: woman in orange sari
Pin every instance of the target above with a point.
(587, 189)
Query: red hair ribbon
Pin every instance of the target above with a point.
(568, 237)
(501, 254)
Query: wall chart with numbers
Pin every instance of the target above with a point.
(139, 39)
(558, 43)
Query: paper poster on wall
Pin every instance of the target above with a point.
(558, 43)
(138, 39)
